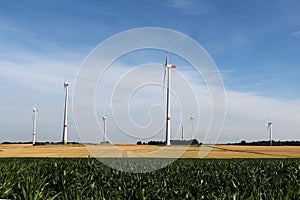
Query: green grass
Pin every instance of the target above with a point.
(26, 178)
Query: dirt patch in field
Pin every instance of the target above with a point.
(236, 151)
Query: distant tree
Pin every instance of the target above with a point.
(195, 142)
(155, 143)
(267, 143)
(139, 143)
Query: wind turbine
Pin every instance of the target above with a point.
(269, 128)
(104, 127)
(65, 126)
(167, 73)
(192, 126)
(35, 110)
(182, 133)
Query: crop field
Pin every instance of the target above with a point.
(87, 178)
(117, 151)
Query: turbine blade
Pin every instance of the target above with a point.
(66, 74)
(166, 63)
(269, 125)
(164, 81)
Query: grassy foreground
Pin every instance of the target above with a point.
(53, 178)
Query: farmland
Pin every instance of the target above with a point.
(70, 172)
(87, 178)
(207, 151)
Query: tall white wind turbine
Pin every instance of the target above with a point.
(269, 128)
(167, 73)
(35, 110)
(65, 126)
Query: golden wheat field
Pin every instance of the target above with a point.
(125, 150)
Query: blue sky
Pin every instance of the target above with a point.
(255, 45)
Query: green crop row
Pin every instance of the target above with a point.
(35, 178)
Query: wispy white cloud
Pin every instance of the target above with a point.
(37, 72)
(6, 26)
(296, 33)
(191, 7)
(247, 117)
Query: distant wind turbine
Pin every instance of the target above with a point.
(182, 133)
(104, 127)
(192, 126)
(167, 73)
(269, 128)
(65, 126)
(35, 110)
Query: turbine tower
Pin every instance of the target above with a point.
(270, 131)
(35, 110)
(65, 127)
(167, 73)
(104, 128)
(182, 133)
(192, 126)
